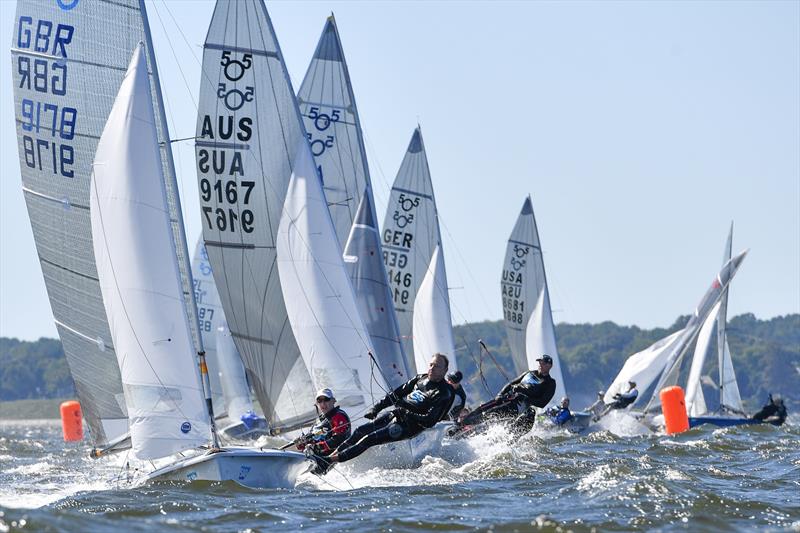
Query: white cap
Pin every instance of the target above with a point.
(327, 393)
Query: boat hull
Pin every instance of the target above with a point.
(720, 421)
(258, 469)
(407, 453)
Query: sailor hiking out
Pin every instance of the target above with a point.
(560, 414)
(517, 399)
(774, 412)
(331, 428)
(418, 404)
(621, 400)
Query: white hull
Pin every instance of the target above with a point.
(405, 453)
(258, 469)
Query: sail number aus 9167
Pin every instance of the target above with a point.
(231, 192)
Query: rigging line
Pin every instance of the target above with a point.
(174, 54)
(496, 364)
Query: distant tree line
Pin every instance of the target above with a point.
(766, 357)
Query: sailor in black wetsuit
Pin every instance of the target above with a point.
(459, 398)
(418, 404)
(518, 398)
(773, 413)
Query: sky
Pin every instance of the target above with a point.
(641, 130)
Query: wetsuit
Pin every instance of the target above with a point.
(418, 404)
(331, 429)
(621, 401)
(518, 397)
(778, 411)
(559, 415)
(459, 402)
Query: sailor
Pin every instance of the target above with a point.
(418, 404)
(459, 396)
(330, 430)
(774, 412)
(622, 400)
(534, 388)
(560, 414)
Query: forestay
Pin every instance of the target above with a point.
(68, 60)
(410, 235)
(330, 115)
(433, 327)
(526, 300)
(140, 280)
(249, 127)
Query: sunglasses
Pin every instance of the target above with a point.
(324, 400)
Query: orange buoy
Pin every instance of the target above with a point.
(71, 420)
(673, 405)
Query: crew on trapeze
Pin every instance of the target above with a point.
(560, 414)
(458, 408)
(418, 404)
(774, 412)
(331, 429)
(517, 400)
(621, 399)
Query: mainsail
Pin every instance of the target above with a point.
(69, 59)
(729, 397)
(140, 280)
(410, 235)
(330, 115)
(526, 300)
(692, 329)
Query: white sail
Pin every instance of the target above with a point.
(433, 327)
(249, 124)
(410, 234)
(319, 297)
(695, 400)
(645, 367)
(364, 262)
(729, 388)
(540, 339)
(719, 285)
(526, 300)
(330, 115)
(232, 375)
(140, 279)
(85, 56)
(211, 318)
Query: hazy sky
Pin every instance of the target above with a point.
(640, 129)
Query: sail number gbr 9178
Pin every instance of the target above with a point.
(41, 70)
(224, 191)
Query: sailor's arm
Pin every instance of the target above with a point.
(505, 390)
(395, 397)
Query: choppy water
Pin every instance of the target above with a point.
(619, 478)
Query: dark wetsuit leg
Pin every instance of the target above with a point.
(491, 409)
(384, 429)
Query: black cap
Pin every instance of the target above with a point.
(455, 377)
(546, 359)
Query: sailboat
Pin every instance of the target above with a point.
(230, 392)
(656, 366)
(169, 404)
(64, 87)
(730, 410)
(526, 300)
(328, 107)
(413, 254)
